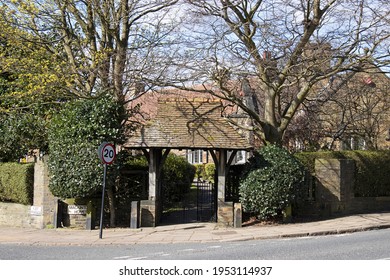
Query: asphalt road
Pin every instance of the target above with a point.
(370, 245)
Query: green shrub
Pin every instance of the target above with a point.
(371, 173)
(138, 162)
(75, 133)
(271, 182)
(209, 170)
(16, 183)
(205, 171)
(177, 178)
(19, 133)
(134, 180)
(199, 170)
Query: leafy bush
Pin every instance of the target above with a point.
(75, 134)
(205, 171)
(16, 183)
(177, 178)
(19, 133)
(209, 171)
(372, 169)
(199, 170)
(270, 182)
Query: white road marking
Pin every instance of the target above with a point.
(120, 258)
(139, 258)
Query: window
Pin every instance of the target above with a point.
(240, 157)
(195, 156)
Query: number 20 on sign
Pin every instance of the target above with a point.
(107, 155)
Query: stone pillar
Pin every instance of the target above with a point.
(335, 179)
(134, 215)
(225, 209)
(149, 214)
(43, 211)
(225, 214)
(237, 222)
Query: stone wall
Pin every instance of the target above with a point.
(15, 215)
(334, 191)
(43, 211)
(334, 186)
(149, 213)
(225, 213)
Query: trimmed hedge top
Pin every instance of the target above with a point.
(16, 183)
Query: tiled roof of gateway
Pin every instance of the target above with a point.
(183, 123)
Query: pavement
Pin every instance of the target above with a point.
(192, 232)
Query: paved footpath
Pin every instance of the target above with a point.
(195, 232)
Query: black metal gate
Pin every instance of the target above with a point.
(196, 205)
(206, 202)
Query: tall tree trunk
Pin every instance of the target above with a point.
(111, 203)
(272, 134)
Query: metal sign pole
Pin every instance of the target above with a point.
(102, 208)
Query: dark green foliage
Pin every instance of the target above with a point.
(16, 183)
(209, 170)
(177, 178)
(199, 170)
(205, 171)
(271, 182)
(372, 169)
(19, 133)
(75, 134)
(134, 179)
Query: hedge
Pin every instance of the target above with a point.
(271, 182)
(16, 183)
(177, 175)
(372, 169)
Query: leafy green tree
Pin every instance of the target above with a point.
(75, 134)
(177, 175)
(29, 86)
(20, 133)
(271, 182)
(29, 73)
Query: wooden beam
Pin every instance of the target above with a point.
(231, 158)
(221, 171)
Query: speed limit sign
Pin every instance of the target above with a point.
(107, 153)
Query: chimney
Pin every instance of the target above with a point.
(266, 55)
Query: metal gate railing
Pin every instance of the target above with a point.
(206, 202)
(191, 207)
